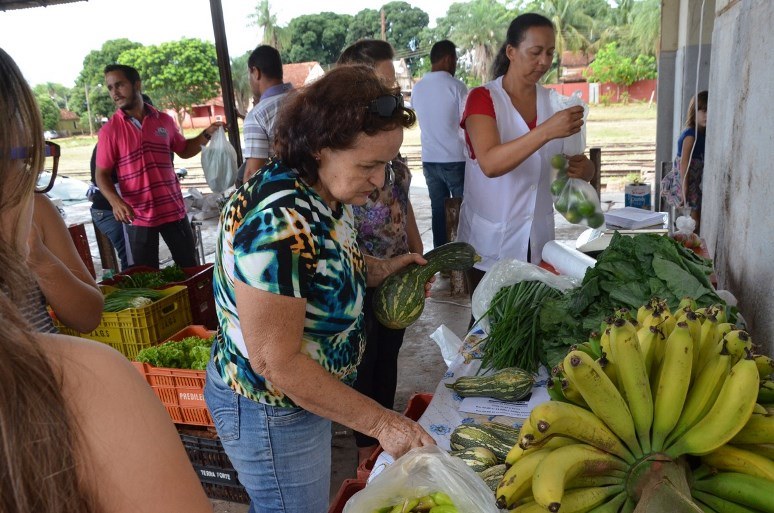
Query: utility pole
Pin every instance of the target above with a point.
(384, 26)
(88, 108)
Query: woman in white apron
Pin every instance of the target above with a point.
(511, 133)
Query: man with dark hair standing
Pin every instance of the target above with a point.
(137, 142)
(439, 100)
(265, 68)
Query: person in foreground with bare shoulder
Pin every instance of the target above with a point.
(80, 431)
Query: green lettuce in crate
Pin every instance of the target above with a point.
(188, 353)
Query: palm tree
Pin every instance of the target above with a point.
(273, 35)
(645, 22)
(242, 90)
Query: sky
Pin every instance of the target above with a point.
(49, 44)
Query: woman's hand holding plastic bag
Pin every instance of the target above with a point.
(575, 198)
(425, 474)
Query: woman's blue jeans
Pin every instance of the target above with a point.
(282, 455)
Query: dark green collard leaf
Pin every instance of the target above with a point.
(681, 282)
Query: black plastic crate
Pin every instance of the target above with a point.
(215, 471)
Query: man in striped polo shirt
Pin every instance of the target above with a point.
(137, 142)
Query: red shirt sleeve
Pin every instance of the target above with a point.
(479, 101)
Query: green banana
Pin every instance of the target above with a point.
(751, 491)
(568, 420)
(718, 504)
(729, 414)
(758, 430)
(765, 365)
(702, 395)
(733, 459)
(566, 463)
(672, 388)
(602, 396)
(633, 379)
(766, 392)
(592, 481)
(611, 506)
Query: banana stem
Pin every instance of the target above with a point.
(666, 489)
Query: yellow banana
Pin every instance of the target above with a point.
(737, 343)
(687, 302)
(517, 480)
(526, 437)
(572, 394)
(765, 450)
(672, 388)
(758, 430)
(694, 326)
(721, 312)
(707, 341)
(608, 367)
(726, 418)
(563, 465)
(648, 337)
(765, 366)
(602, 396)
(733, 459)
(611, 506)
(760, 409)
(766, 392)
(592, 481)
(644, 311)
(750, 491)
(568, 420)
(702, 395)
(633, 379)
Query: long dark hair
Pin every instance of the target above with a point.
(331, 113)
(698, 102)
(39, 470)
(517, 31)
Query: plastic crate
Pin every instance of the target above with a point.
(348, 488)
(215, 471)
(417, 404)
(132, 330)
(180, 390)
(81, 242)
(201, 297)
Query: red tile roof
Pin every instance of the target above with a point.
(297, 73)
(68, 115)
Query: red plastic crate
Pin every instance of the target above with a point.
(348, 488)
(211, 463)
(417, 404)
(81, 242)
(201, 296)
(180, 390)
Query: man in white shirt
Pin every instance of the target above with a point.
(265, 68)
(439, 100)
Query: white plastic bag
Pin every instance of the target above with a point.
(505, 273)
(576, 143)
(685, 234)
(577, 201)
(219, 162)
(449, 343)
(421, 472)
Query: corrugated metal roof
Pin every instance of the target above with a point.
(7, 5)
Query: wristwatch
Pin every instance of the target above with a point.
(206, 135)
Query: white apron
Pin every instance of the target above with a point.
(500, 216)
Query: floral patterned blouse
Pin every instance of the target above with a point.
(381, 222)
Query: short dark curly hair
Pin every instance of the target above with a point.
(331, 113)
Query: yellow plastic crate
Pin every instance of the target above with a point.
(132, 330)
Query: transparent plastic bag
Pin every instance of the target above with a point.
(505, 273)
(574, 198)
(576, 143)
(685, 233)
(421, 472)
(219, 162)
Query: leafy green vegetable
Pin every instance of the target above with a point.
(188, 353)
(122, 299)
(628, 273)
(153, 279)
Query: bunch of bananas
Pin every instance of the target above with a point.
(653, 392)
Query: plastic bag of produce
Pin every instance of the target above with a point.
(574, 198)
(219, 162)
(576, 143)
(421, 474)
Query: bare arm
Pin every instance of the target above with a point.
(133, 460)
(496, 158)
(61, 274)
(273, 325)
(194, 146)
(412, 232)
(685, 161)
(121, 210)
(252, 166)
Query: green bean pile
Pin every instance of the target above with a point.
(514, 320)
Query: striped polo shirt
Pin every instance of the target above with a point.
(141, 157)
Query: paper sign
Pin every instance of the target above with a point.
(493, 407)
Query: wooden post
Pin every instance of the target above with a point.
(595, 155)
(107, 253)
(457, 285)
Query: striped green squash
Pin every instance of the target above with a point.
(477, 458)
(400, 299)
(474, 435)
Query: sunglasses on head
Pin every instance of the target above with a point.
(386, 105)
(45, 179)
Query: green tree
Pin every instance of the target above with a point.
(48, 111)
(92, 79)
(478, 29)
(317, 37)
(273, 35)
(403, 24)
(645, 23)
(366, 24)
(610, 66)
(57, 92)
(177, 74)
(241, 79)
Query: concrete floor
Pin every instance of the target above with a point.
(420, 363)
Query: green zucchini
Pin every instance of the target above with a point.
(400, 299)
(493, 475)
(477, 458)
(507, 434)
(473, 435)
(509, 384)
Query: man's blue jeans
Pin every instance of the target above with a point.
(282, 455)
(113, 230)
(444, 180)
